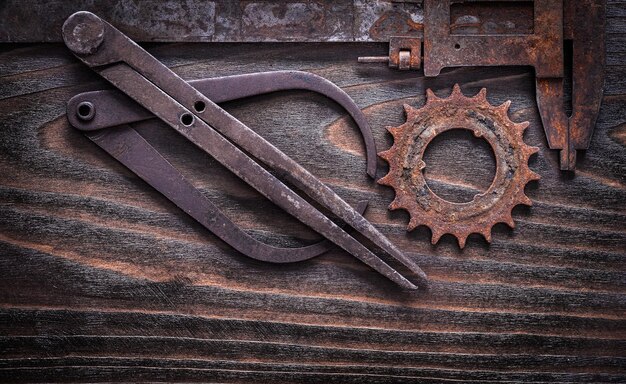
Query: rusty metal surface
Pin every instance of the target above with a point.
(159, 90)
(491, 18)
(406, 165)
(256, 21)
(404, 53)
(469, 33)
(219, 20)
(543, 49)
(584, 27)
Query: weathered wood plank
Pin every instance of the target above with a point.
(103, 279)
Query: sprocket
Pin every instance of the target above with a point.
(406, 165)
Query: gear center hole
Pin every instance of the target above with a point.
(459, 165)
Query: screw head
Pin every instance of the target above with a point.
(83, 33)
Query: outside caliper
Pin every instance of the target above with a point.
(147, 88)
(556, 24)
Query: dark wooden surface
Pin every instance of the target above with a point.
(103, 279)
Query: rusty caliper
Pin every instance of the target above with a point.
(575, 24)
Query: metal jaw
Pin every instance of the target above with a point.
(556, 22)
(189, 112)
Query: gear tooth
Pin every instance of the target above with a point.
(481, 95)
(534, 176)
(487, 234)
(394, 204)
(430, 96)
(523, 126)
(504, 108)
(394, 131)
(529, 151)
(385, 180)
(526, 200)
(436, 235)
(456, 90)
(385, 155)
(461, 239)
(412, 224)
(520, 129)
(409, 111)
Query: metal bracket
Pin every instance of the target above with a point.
(404, 53)
(543, 49)
(555, 23)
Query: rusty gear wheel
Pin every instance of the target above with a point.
(406, 165)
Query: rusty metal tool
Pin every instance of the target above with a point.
(92, 112)
(115, 108)
(486, 209)
(160, 91)
(578, 24)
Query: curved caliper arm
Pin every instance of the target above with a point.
(150, 83)
(115, 108)
(131, 149)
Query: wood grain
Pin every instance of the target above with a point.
(103, 279)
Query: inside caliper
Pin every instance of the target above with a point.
(577, 25)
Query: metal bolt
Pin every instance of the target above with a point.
(83, 33)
